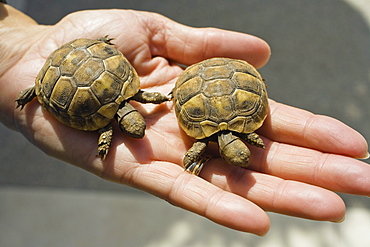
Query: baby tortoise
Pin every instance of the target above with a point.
(86, 84)
(220, 100)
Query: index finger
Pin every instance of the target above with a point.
(189, 45)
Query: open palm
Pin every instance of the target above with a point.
(306, 156)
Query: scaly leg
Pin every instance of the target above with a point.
(104, 142)
(25, 96)
(193, 156)
(253, 139)
(150, 97)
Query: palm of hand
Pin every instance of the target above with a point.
(298, 143)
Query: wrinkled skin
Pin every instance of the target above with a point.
(306, 157)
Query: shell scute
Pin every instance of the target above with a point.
(216, 72)
(102, 51)
(189, 89)
(84, 103)
(83, 43)
(88, 72)
(72, 61)
(107, 87)
(218, 87)
(46, 88)
(221, 108)
(63, 92)
(117, 65)
(58, 56)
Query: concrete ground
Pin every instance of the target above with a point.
(320, 62)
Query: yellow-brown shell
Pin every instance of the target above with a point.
(83, 83)
(220, 94)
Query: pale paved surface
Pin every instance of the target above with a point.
(320, 62)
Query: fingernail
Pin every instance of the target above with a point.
(341, 220)
(261, 234)
(366, 156)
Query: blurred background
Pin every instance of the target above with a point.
(320, 62)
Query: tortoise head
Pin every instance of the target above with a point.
(232, 149)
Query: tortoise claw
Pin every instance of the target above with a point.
(106, 40)
(197, 166)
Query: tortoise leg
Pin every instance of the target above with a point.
(193, 156)
(150, 97)
(104, 142)
(233, 150)
(253, 139)
(130, 121)
(25, 96)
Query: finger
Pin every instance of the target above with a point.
(170, 182)
(276, 194)
(334, 172)
(188, 45)
(291, 125)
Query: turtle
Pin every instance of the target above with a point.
(220, 100)
(88, 83)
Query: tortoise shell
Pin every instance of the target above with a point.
(220, 94)
(83, 83)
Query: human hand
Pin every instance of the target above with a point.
(306, 157)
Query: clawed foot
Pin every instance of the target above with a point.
(25, 96)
